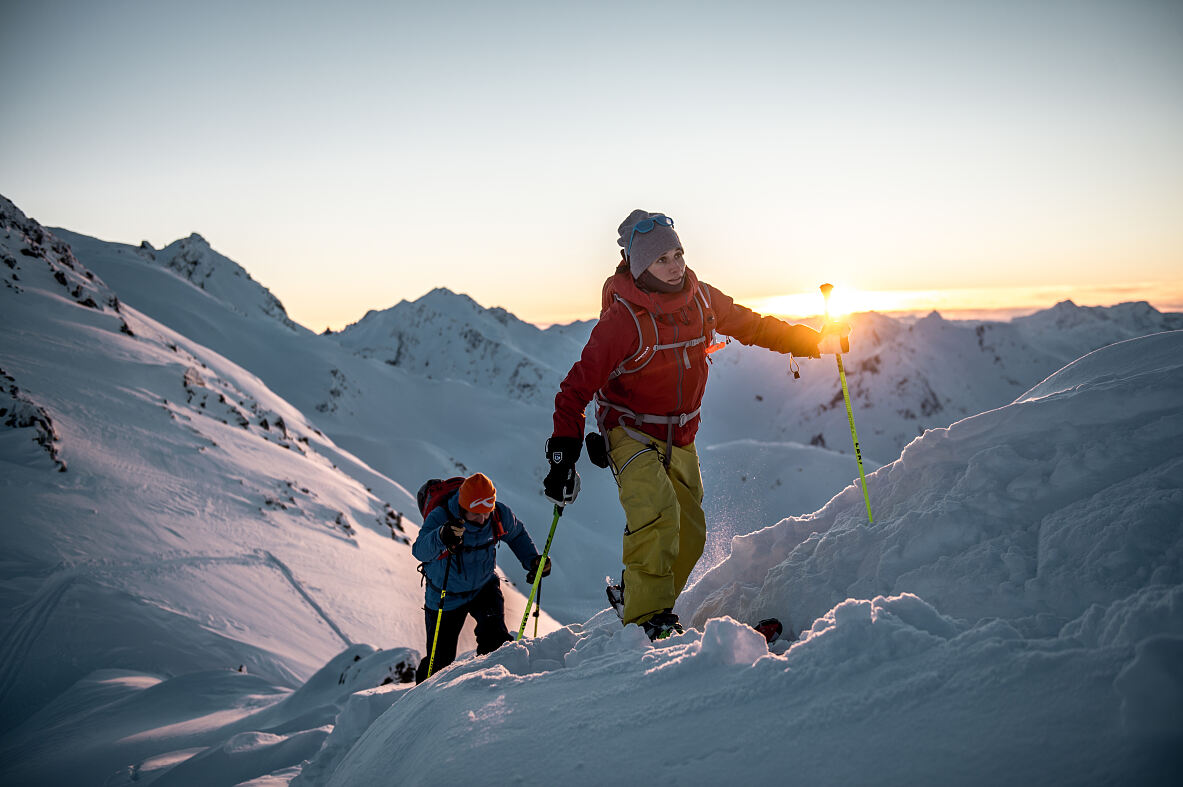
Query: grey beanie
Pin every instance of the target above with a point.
(647, 246)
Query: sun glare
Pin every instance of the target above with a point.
(843, 302)
(973, 303)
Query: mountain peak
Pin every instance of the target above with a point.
(10, 212)
(441, 295)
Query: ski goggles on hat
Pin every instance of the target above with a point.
(647, 225)
(485, 506)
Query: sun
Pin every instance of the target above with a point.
(844, 301)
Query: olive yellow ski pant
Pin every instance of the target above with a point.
(665, 527)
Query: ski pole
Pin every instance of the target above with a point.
(439, 617)
(537, 608)
(858, 454)
(538, 573)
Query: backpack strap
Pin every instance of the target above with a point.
(647, 346)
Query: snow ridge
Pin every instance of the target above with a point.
(195, 261)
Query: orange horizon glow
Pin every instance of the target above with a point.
(985, 303)
(965, 303)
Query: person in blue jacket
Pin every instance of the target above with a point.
(463, 532)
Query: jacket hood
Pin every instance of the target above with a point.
(657, 302)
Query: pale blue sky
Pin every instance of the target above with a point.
(353, 154)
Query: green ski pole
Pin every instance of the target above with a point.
(858, 454)
(538, 573)
(439, 616)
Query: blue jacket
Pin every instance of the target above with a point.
(474, 566)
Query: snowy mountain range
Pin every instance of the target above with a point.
(207, 580)
(467, 342)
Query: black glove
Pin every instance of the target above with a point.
(561, 484)
(534, 568)
(452, 534)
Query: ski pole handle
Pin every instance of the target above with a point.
(843, 342)
(826, 290)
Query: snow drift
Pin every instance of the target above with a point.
(1014, 615)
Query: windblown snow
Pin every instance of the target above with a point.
(206, 576)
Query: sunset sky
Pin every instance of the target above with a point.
(951, 155)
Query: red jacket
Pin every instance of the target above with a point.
(664, 386)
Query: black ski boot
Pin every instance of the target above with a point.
(663, 624)
(616, 597)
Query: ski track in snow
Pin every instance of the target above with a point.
(29, 624)
(32, 618)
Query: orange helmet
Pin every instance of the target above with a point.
(477, 494)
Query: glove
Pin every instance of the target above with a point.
(835, 338)
(561, 485)
(452, 534)
(534, 568)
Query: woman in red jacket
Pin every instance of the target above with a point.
(645, 365)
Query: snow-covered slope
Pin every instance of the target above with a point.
(1014, 616)
(406, 427)
(193, 260)
(166, 514)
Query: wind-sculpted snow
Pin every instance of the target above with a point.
(202, 728)
(1038, 509)
(886, 691)
(1012, 616)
